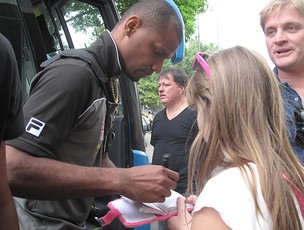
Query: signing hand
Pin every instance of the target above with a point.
(150, 183)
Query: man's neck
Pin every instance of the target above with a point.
(175, 109)
(294, 79)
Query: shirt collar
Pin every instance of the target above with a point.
(106, 53)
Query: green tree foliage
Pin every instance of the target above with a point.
(84, 16)
(148, 87)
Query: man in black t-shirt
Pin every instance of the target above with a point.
(174, 128)
(11, 126)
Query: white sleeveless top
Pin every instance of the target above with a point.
(229, 195)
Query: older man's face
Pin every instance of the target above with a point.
(284, 34)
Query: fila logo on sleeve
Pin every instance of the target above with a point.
(35, 127)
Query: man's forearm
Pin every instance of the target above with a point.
(46, 179)
(42, 178)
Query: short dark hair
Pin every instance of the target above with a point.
(156, 14)
(179, 75)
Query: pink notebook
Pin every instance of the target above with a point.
(134, 214)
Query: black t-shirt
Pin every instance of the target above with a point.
(174, 137)
(11, 115)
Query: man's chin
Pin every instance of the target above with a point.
(137, 76)
(283, 64)
(133, 78)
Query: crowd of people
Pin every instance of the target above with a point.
(234, 132)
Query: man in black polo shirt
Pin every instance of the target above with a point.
(56, 163)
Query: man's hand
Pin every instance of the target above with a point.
(151, 183)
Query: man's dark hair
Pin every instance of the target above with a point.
(180, 77)
(156, 14)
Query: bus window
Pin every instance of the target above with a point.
(47, 29)
(12, 28)
(28, 70)
(84, 22)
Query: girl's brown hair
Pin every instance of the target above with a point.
(243, 121)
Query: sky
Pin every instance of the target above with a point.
(234, 22)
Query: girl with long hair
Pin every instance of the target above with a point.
(245, 173)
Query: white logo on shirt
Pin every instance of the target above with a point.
(35, 127)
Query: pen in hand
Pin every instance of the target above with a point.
(166, 158)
